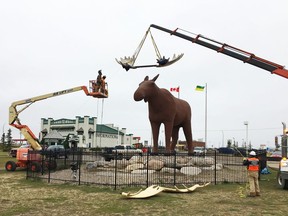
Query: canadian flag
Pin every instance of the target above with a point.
(175, 89)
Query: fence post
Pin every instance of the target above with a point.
(79, 165)
(115, 179)
(42, 164)
(215, 171)
(174, 168)
(49, 170)
(147, 173)
(27, 169)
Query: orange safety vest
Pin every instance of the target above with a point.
(253, 164)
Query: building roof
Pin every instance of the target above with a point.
(44, 130)
(105, 129)
(54, 135)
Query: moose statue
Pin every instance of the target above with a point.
(167, 109)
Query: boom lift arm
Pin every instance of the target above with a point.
(25, 130)
(231, 51)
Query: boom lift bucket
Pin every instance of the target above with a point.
(96, 91)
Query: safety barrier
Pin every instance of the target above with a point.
(83, 167)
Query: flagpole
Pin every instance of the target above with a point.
(205, 115)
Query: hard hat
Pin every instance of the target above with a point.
(252, 153)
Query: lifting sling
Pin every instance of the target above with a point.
(128, 62)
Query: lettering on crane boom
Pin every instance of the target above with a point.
(62, 92)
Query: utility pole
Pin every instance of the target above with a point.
(246, 143)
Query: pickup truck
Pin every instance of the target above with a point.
(120, 152)
(282, 176)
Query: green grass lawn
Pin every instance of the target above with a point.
(4, 158)
(34, 197)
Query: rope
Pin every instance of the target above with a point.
(101, 121)
(155, 46)
(137, 51)
(96, 123)
(102, 110)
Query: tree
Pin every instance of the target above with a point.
(9, 138)
(229, 143)
(250, 145)
(3, 139)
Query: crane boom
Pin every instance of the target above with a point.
(231, 51)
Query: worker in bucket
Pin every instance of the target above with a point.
(252, 164)
(98, 81)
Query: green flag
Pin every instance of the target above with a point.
(200, 88)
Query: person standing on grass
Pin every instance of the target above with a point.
(252, 163)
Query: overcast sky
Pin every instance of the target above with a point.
(47, 46)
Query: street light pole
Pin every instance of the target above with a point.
(118, 136)
(246, 145)
(206, 90)
(284, 141)
(3, 128)
(222, 138)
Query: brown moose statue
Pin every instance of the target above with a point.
(164, 108)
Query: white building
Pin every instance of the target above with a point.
(89, 133)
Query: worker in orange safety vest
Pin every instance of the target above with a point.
(252, 164)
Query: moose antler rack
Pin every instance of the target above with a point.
(128, 62)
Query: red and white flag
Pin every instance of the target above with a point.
(175, 89)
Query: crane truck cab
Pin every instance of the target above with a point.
(282, 176)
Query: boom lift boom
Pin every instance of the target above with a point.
(25, 130)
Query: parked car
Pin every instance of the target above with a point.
(199, 151)
(56, 151)
(120, 152)
(276, 154)
(225, 150)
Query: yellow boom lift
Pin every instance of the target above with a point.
(22, 153)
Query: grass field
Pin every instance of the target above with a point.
(33, 197)
(4, 158)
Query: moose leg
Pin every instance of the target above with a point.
(168, 133)
(188, 135)
(155, 132)
(175, 135)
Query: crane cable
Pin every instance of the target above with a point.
(155, 46)
(138, 49)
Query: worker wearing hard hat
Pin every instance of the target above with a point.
(252, 164)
